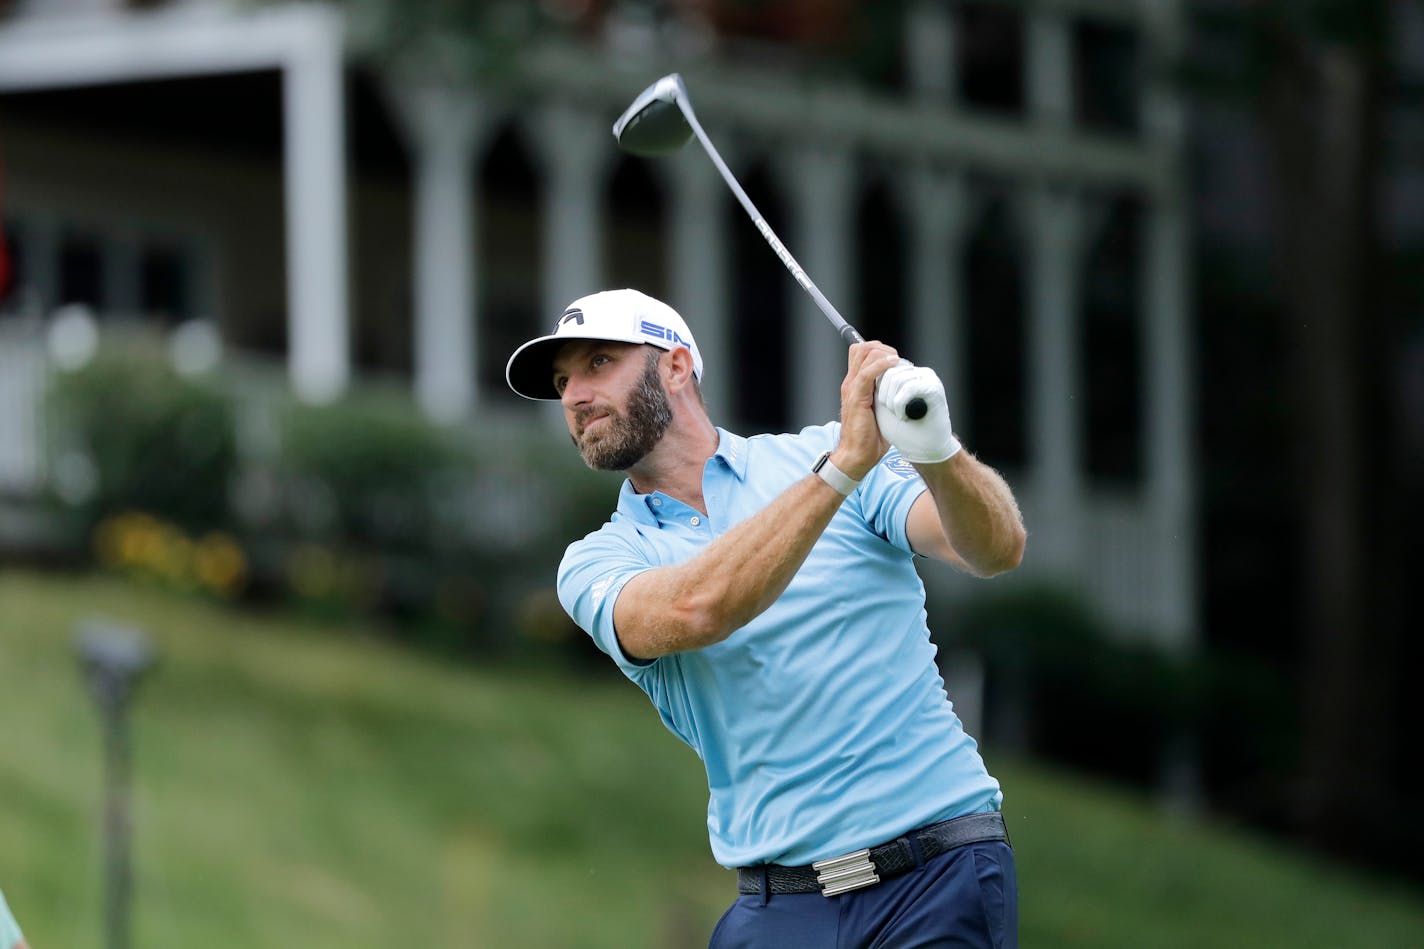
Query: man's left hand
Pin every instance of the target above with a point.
(926, 440)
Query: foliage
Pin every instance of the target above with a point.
(361, 507)
(131, 434)
(473, 40)
(1077, 680)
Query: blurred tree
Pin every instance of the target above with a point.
(451, 40)
(1316, 74)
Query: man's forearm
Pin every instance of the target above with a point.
(730, 582)
(977, 513)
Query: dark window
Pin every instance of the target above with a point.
(165, 291)
(998, 389)
(81, 269)
(635, 238)
(882, 308)
(1108, 77)
(760, 310)
(1111, 354)
(990, 56)
(511, 248)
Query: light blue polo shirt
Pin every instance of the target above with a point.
(823, 723)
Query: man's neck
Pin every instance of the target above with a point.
(676, 465)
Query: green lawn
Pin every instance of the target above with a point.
(305, 784)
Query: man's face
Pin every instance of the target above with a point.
(614, 401)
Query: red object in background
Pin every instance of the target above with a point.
(810, 23)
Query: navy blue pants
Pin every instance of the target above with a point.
(965, 898)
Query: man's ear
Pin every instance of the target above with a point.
(679, 372)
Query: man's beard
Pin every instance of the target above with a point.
(627, 436)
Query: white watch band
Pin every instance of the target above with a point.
(834, 476)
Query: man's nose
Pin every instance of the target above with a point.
(575, 393)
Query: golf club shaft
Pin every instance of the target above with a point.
(915, 408)
(847, 331)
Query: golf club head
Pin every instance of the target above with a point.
(654, 124)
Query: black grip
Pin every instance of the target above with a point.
(915, 409)
(850, 336)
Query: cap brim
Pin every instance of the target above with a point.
(530, 371)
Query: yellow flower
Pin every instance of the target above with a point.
(219, 564)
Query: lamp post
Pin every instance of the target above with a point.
(114, 658)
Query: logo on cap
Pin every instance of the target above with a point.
(662, 332)
(572, 313)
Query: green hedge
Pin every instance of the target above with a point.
(128, 433)
(362, 507)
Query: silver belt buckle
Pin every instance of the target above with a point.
(843, 874)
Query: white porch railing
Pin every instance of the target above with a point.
(23, 373)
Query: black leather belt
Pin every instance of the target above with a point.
(870, 866)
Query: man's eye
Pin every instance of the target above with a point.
(560, 384)
(598, 360)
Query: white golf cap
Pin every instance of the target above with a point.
(627, 316)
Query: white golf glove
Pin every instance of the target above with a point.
(925, 440)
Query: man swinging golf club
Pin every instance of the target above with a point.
(762, 592)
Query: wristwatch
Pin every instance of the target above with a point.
(834, 476)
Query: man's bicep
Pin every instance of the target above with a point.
(926, 533)
(638, 615)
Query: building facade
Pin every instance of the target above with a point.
(996, 189)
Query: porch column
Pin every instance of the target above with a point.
(1055, 374)
(1167, 342)
(576, 148)
(938, 208)
(314, 141)
(444, 125)
(699, 269)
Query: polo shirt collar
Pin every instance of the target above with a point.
(731, 449)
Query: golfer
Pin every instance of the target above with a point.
(762, 592)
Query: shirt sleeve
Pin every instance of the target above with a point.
(591, 575)
(886, 494)
(9, 930)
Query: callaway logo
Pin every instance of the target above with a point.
(572, 313)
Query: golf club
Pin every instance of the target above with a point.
(659, 122)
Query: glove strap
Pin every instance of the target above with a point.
(834, 476)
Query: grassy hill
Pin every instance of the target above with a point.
(300, 783)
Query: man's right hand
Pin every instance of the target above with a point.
(862, 444)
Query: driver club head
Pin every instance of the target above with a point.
(654, 124)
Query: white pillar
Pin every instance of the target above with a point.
(1049, 65)
(820, 179)
(938, 206)
(1055, 378)
(40, 235)
(575, 147)
(1167, 354)
(314, 127)
(930, 51)
(699, 268)
(444, 126)
(1169, 418)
